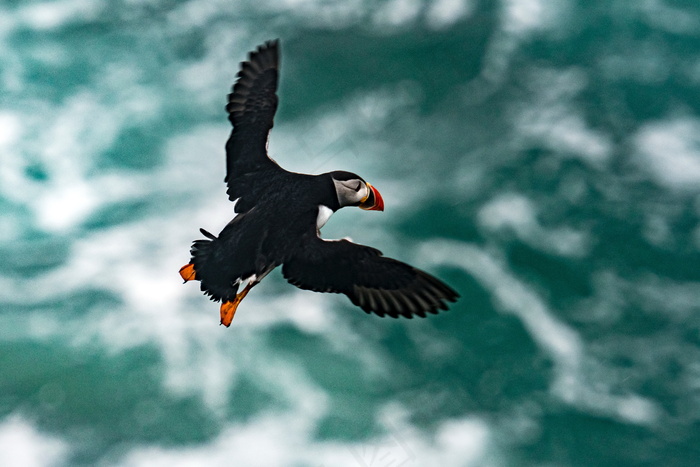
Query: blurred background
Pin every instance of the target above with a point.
(541, 156)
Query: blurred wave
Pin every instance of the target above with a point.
(541, 156)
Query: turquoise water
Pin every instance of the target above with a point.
(542, 157)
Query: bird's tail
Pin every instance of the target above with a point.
(200, 252)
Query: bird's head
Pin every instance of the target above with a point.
(352, 190)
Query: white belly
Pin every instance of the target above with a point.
(324, 213)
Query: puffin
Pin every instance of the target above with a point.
(279, 214)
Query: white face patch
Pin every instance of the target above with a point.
(324, 213)
(350, 192)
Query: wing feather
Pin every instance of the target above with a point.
(251, 109)
(376, 284)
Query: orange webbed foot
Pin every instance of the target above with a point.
(228, 309)
(187, 272)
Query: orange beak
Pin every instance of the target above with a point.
(374, 201)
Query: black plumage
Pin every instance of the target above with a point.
(279, 216)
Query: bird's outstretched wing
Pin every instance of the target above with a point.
(376, 284)
(251, 109)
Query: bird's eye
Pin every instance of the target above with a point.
(359, 185)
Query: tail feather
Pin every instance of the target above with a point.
(208, 269)
(209, 235)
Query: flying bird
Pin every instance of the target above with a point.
(280, 214)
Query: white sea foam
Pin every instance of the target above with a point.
(678, 301)
(521, 16)
(437, 14)
(563, 131)
(515, 213)
(572, 383)
(670, 151)
(318, 12)
(442, 14)
(11, 130)
(663, 15)
(138, 262)
(23, 445)
(65, 147)
(518, 21)
(552, 119)
(285, 439)
(54, 14)
(397, 13)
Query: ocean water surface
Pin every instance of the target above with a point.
(540, 156)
